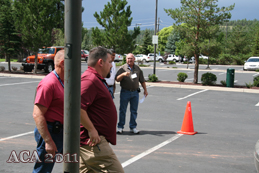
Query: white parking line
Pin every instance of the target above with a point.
(221, 73)
(235, 81)
(16, 136)
(257, 104)
(19, 83)
(215, 69)
(130, 161)
(192, 94)
(190, 79)
(256, 74)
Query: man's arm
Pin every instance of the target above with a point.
(145, 88)
(38, 115)
(120, 77)
(92, 132)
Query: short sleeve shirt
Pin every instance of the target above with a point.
(50, 94)
(98, 103)
(130, 82)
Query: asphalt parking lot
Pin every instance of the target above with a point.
(226, 122)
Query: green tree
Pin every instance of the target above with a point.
(115, 19)
(36, 20)
(162, 38)
(199, 16)
(256, 44)
(172, 39)
(9, 38)
(147, 40)
(239, 41)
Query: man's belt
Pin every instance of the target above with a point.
(110, 85)
(131, 90)
(56, 123)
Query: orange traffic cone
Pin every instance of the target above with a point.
(187, 126)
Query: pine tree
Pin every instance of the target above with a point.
(256, 44)
(9, 38)
(35, 20)
(115, 19)
(147, 40)
(198, 17)
(172, 39)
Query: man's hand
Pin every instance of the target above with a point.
(51, 148)
(145, 93)
(126, 73)
(94, 138)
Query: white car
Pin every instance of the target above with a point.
(118, 58)
(158, 58)
(174, 58)
(142, 57)
(203, 57)
(252, 63)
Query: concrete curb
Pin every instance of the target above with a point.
(157, 84)
(203, 87)
(22, 76)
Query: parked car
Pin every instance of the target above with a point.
(141, 57)
(151, 57)
(84, 55)
(203, 57)
(172, 57)
(252, 63)
(118, 57)
(192, 60)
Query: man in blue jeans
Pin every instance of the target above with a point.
(48, 114)
(130, 75)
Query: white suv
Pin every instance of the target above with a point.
(158, 58)
(174, 58)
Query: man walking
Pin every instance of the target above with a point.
(130, 75)
(111, 80)
(98, 116)
(48, 115)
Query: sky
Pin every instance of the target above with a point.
(143, 11)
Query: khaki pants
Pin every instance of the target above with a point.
(94, 160)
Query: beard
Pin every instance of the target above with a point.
(108, 75)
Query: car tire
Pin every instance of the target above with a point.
(49, 68)
(160, 60)
(174, 60)
(86, 59)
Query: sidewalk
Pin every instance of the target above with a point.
(245, 90)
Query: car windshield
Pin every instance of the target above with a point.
(253, 60)
(47, 51)
(86, 52)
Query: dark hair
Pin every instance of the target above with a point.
(112, 51)
(96, 54)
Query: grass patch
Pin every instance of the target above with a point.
(12, 60)
(174, 67)
(142, 65)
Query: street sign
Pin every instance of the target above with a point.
(155, 39)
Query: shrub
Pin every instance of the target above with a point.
(172, 62)
(257, 70)
(2, 68)
(256, 81)
(223, 82)
(249, 85)
(152, 78)
(14, 68)
(208, 79)
(181, 77)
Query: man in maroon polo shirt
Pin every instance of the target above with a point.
(98, 116)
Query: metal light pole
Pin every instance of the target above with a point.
(208, 65)
(72, 83)
(154, 70)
